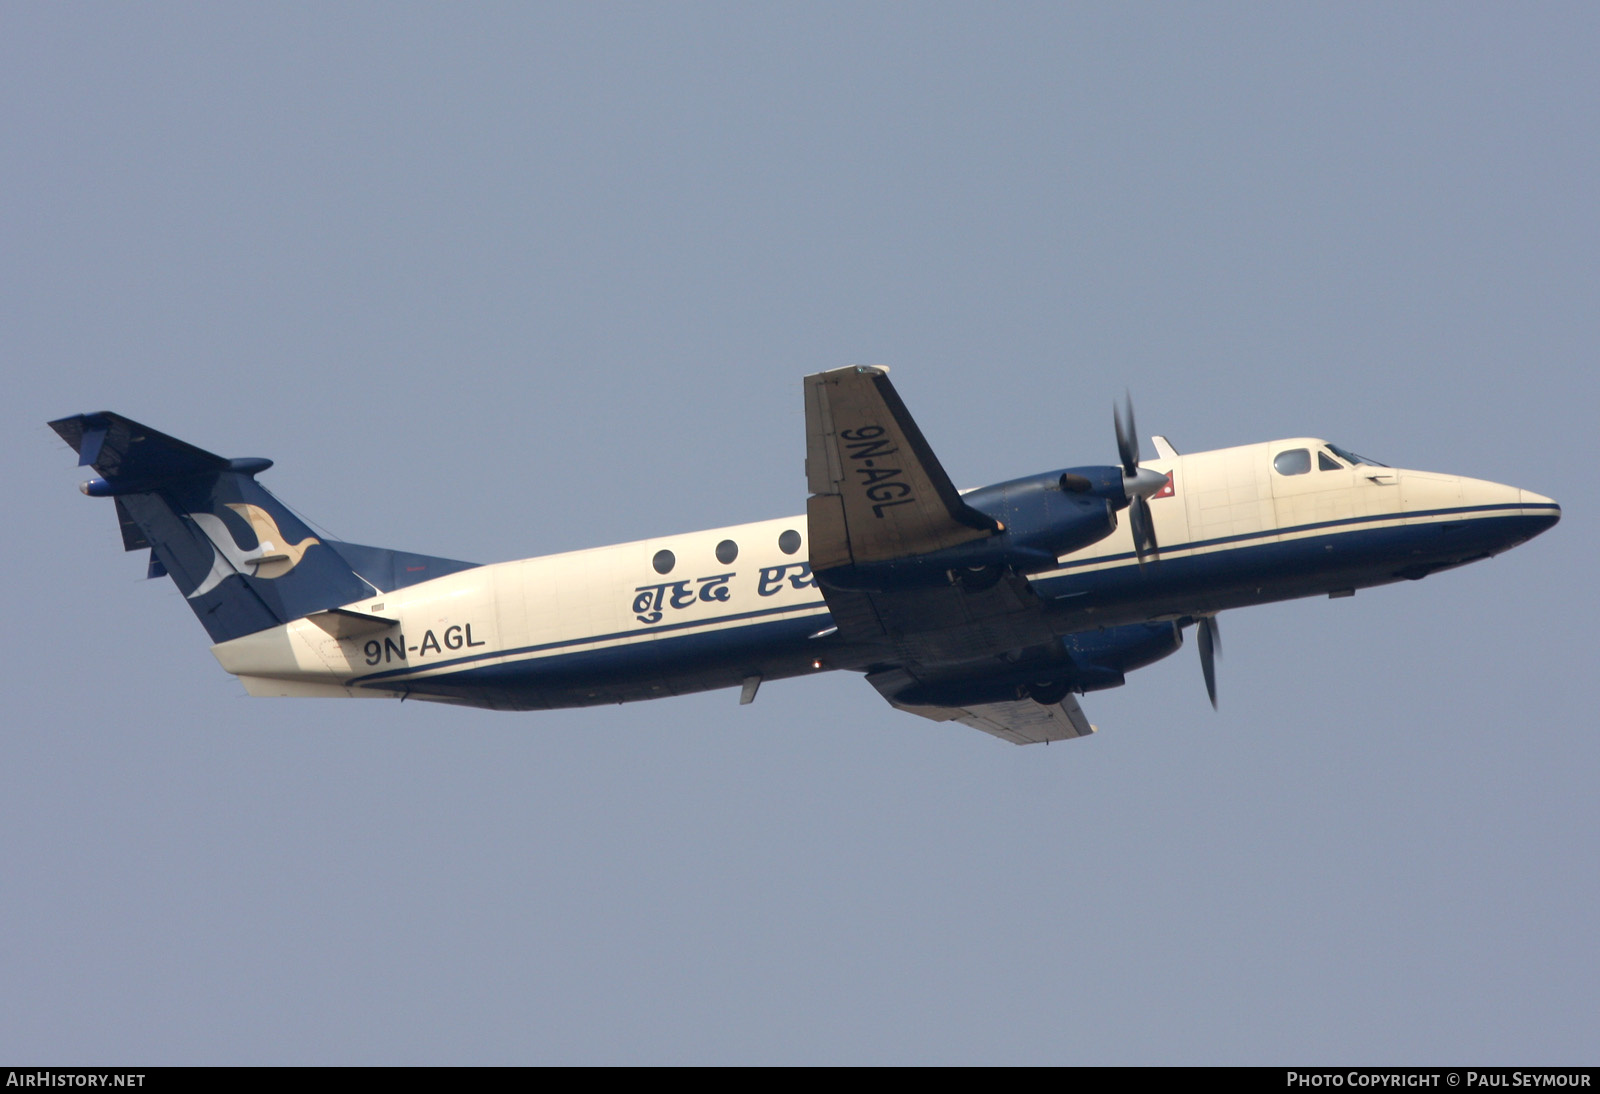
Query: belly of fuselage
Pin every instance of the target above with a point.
(664, 665)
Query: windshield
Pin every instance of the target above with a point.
(1351, 457)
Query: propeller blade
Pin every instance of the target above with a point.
(1127, 436)
(1210, 646)
(1143, 527)
(1137, 483)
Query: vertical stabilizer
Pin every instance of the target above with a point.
(240, 557)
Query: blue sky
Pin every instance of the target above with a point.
(495, 281)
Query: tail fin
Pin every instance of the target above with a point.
(240, 557)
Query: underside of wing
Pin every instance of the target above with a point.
(1020, 721)
(927, 627)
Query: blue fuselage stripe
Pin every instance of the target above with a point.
(1275, 533)
(568, 643)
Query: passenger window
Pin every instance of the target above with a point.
(1296, 461)
(727, 551)
(663, 562)
(1326, 462)
(789, 542)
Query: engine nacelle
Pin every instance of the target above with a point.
(1057, 512)
(1043, 517)
(1102, 658)
(1091, 661)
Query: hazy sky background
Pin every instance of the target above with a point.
(501, 280)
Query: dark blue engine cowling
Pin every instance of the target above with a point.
(1056, 512)
(1101, 659)
(1042, 516)
(1089, 661)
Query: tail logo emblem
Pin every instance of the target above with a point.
(271, 557)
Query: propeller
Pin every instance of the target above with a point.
(1137, 483)
(1210, 645)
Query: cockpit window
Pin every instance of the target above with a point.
(1296, 461)
(1346, 454)
(1326, 462)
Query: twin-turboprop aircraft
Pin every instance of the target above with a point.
(994, 608)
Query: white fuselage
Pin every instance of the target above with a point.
(622, 622)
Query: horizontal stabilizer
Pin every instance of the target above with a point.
(122, 449)
(343, 623)
(273, 687)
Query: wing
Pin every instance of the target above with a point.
(877, 490)
(880, 501)
(1020, 721)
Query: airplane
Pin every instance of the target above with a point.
(993, 608)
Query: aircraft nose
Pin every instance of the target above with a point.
(1502, 516)
(1540, 509)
